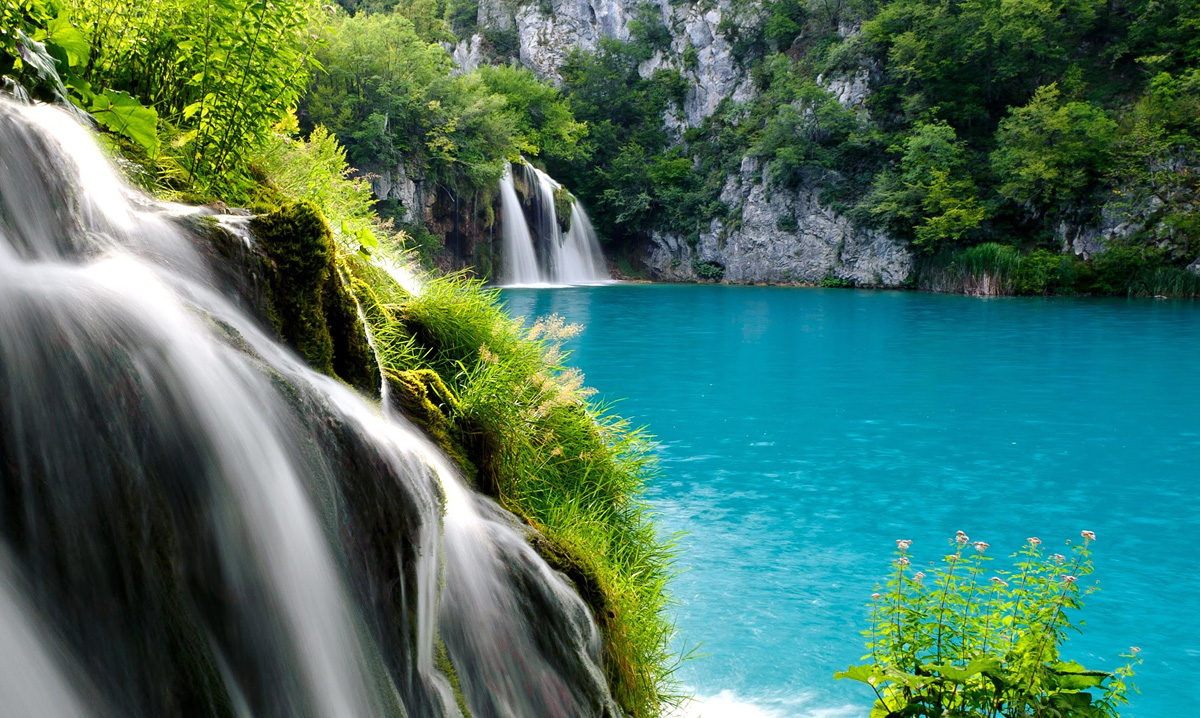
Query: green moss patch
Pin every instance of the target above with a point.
(310, 306)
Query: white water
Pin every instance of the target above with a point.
(543, 255)
(186, 496)
(520, 260)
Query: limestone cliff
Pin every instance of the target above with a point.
(778, 235)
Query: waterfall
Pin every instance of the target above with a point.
(193, 522)
(520, 261)
(543, 254)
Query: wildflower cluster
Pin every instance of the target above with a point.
(976, 641)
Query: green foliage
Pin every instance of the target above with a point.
(1156, 186)
(122, 114)
(969, 60)
(43, 51)
(497, 392)
(708, 270)
(831, 282)
(932, 194)
(389, 93)
(649, 33)
(315, 170)
(963, 643)
(1052, 153)
(218, 75)
(626, 174)
(541, 115)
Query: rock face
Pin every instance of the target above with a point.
(781, 237)
(547, 38)
(397, 184)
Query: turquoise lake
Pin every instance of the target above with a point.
(802, 431)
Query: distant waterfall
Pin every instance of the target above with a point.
(195, 523)
(520, 260)
(536, 250)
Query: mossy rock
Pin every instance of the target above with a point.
(310, 305)
(422, 396)
(564, 207)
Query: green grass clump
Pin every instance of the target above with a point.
(498, 390)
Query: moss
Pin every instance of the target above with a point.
(353, 360)
(564, 207)
(441, 660)
(310, 306)
(422, 396)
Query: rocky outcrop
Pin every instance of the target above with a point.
(784, 236)
(467, 54)
(396, 183)
(547, 38)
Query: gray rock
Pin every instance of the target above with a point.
(395, 183)
(782, 236)
(468, 55)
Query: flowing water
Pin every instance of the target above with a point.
(194, 523)
(803, 430)
(536, 251)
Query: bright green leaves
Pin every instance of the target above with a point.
(932, 195)
(1052, 153)
(122, 114)
(61, 34)
(971, 640)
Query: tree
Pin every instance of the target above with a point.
(1050, 154)
(931, 198)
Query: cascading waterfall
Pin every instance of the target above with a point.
(543, 254)
(194, 523)
(520, 260)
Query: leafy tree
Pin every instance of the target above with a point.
(1050, 153)
(932, 195)
(968, 59)
(1151, 176)
(543, 117)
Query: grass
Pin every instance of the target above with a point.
(497, 395)
(529, 436)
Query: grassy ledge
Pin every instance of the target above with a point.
(496, 394)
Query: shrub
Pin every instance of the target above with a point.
(963, 643)
(831, 282)
(708, 270)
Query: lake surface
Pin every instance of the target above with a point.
(802, 431)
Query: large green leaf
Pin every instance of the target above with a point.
(1073, 676)
(60, 33)
(962, 673)
(121, 113)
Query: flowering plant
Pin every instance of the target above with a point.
(970, 642)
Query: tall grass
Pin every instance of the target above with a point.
(1165, 282)
(533, 439)
(516, 417)
(996, 269)
(984, 270)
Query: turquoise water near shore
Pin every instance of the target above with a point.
(802, 431)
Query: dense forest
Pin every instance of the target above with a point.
(992, 133)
